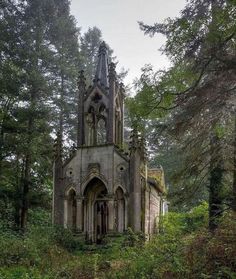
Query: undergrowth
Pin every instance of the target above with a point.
(184, 248)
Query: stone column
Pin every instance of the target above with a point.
(65, 212)
(111, 215)
(85, 217)
(126, 214)
(135, 211)
(91, 220)
(79, 214)
(121, 216)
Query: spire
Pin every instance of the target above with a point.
(101, 76)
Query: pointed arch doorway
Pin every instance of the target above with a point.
(96, 210)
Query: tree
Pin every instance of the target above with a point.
(199, 90)
(64, 37)
(39, 51)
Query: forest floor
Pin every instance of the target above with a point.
(184, 249)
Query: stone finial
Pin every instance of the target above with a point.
(81, 81)
(102, 48)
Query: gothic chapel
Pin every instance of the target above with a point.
(102, 190)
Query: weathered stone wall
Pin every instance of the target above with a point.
(152, 210)
(89, 162)
(104, 162)
(121, 171)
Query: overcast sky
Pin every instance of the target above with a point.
(117, 20)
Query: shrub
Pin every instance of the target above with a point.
(14, 250)
(66, 239)
(134, 239)
(214, 254)
(197, 218)
(183, 223)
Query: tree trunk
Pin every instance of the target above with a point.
(234, 169)
(61, 106)
(17, 200)
(26, 178)
(2, 140)
(215, 184)
(25, 194)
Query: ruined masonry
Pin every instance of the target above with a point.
(102, 190)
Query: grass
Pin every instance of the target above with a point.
(185, 250)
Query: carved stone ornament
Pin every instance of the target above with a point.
(94, 168)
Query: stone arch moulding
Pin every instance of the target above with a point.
(89, 101)
(122, 188)
(91, 177)
(68, 189)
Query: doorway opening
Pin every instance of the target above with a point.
(96, 211)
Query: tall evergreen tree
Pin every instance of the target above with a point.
(39, 51)
(64, 36)
(199, 89)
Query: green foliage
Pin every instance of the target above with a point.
(40, 217)
(197, 217)
(66, 239)
(21, 273)
(134, 239)
(192, 102)
(184, 248)
(187, 222)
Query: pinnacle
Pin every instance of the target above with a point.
(102, 66)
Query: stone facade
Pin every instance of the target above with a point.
(101, 189)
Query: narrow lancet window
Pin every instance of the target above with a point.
(101, 131)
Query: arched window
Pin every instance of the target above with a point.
(117, 128)
(101, 131)
(90, 121)
(102, 110)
